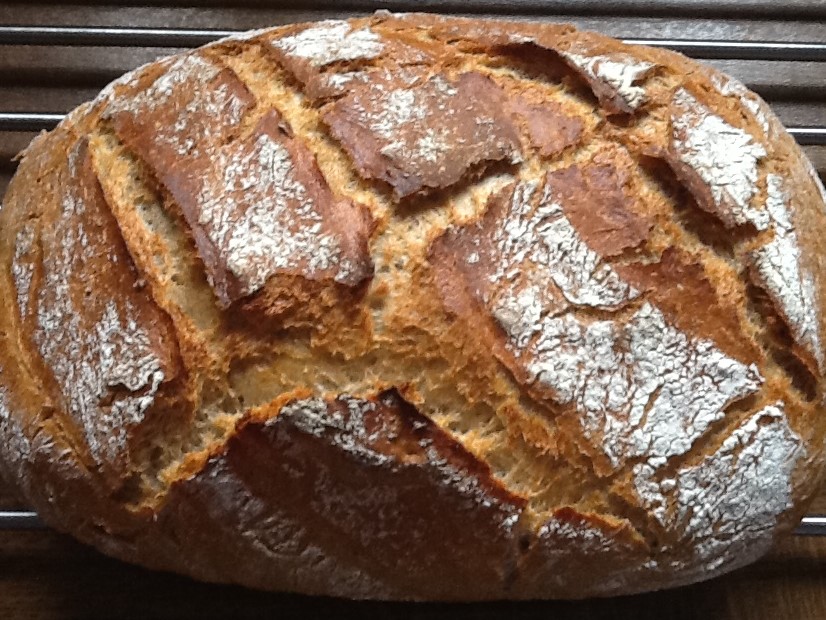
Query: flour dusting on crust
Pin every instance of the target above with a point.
(375, 430)
(779, 269)
(17, 446)
(95, 342)
(347, 428)
(261, 239)
(417, 131)
(733, 497)
(730, 87)
(89, 364)
(643, 386)
(22, 267)
(331, 41)
(177, 71)
(264, 208)
(545, 237)
(727, 505)
(724, 157)
(622, 72)
(640, 387)
(186, 111)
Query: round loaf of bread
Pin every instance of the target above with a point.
(411, 307)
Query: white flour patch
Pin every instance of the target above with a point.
(338, 81)
(90, 361)
(620, 71)
(212, 103)
(399, 107)
(331, 41)
(23, 270)
(188, 68)
(17, 447)
(641, 386)
(264, 220)
(729, 87)
(779, 265)
(644, 387)
(724, 156)
(403, 107)
(546, 238)
(731, 500)
(186, 77)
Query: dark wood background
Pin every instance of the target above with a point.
(47, 575)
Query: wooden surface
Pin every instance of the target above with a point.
(46, 575)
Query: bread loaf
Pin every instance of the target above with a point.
(412, 307)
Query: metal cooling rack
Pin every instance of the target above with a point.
(811, 525)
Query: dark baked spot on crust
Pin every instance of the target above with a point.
(777, 339)
(595, 200)
(587, 552)
(357, 470)
(420, 132)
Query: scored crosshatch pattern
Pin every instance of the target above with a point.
(620, 81)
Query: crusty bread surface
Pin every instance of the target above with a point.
(417, 308)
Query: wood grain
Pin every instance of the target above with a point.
(809, 9)
(44, 574)
(739, 28)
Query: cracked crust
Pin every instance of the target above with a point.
(411, 307)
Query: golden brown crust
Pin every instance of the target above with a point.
(243, 239)
(106, 351)
(547, 128)
(411, 307)
(425, 134)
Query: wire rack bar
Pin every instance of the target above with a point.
(20, 520)
(28, 121)
(813, 525)
(109, 37)
(186, 37)
(743, 50)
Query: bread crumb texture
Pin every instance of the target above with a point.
(412, 307)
